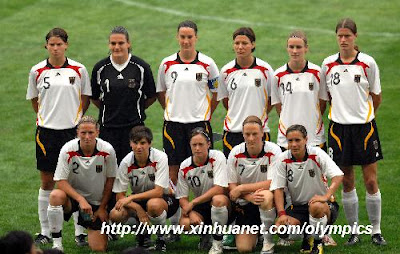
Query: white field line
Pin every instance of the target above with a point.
(242, 21)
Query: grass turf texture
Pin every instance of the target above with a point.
(152, 26)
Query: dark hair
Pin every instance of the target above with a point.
(16, 242)
(139, 132)
(121, 30)
(298, 34)
(57, 32)
(246, 31)
(297, 127)
(201, 131)
(349, 24)
(188, 23)
(88, 119)
(253, 119)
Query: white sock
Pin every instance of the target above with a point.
(174, 219)
(79, 230)
(56, 219)
(318, 222)
(350, 207)
(267, 218)
(373, 203)
(219, 215)
(160, 220)
(43, 203)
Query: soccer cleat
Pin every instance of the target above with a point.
(328, 240)
(216, 248)
(42, 239)
(268, 248)
(318, 247)
(80, 240)
(229, 242)
(144, 240)
(378, 239)
(284, 242)
(306, 245)
(205, 242)
(353, 240)
(171, 238)
(158, 246)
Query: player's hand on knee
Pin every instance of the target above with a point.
(102, 214)
(258, 198)
(85, 207)
(235, 193)
(143, 216)
(122, 202)
(318, 198)
(194, 219)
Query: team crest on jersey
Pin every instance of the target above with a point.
(257, 82)
(311, 86)
(152, 177)
(99, 168)
(199, 76)
(263, 168)
(357, 78)
(132, 83)
(210, 174)
(311, 172)
(72, 80)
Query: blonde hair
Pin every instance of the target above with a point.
(88, 119)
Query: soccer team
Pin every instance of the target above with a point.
(252, 182)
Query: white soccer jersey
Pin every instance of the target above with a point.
(142, 179)
(87, 175)
(304, 179)
(59, 91)
(189, 88)
(350, 85)
(243, 168)
(200, 179)
(247, 90)
(299, 94)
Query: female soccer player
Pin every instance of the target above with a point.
(244, 87)
(297, 95)
(352, 80)
(303, 170)
(186, 89)
(123, 87)
(206, 175)
(58, 89)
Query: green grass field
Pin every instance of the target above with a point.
(152, 25)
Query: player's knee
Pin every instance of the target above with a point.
(243, 247)
(268, 202)
(371, 185)
(317, 209)
(185, 222)
(219, 200)
(99, 247)
(155, 206)
(57, 197)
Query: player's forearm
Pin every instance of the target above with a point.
(225, 102)
(335, 183)
(207, 196)
(278, 108)
(157, 192)
(214, 102)
(322, 106)
(269, 107)
(71, 192)
(377, 100)
(161, 99)
(107, 192)
(279, 200)
(35, 104)
(85, 103)
(96, 103)
(149, 101)
(252, 187)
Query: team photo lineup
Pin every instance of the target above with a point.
(245, 156)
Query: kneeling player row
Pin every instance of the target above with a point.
(238, 189)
